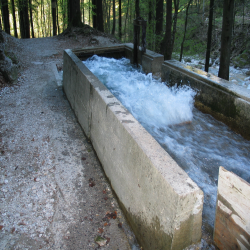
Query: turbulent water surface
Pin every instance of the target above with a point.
(198, 142)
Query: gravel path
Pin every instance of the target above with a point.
(54, 194)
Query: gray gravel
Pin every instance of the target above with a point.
(53, 192)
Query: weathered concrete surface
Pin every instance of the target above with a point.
(224, 100)
(163, 204)
(232, 222)
(151, 61)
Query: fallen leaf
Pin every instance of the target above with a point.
(1, 227)
(108, 240)
(13, 230)
(100, 231)
(35, 179)
(92, 184)
(21, 223)
(111, 215)
(105, 224)
(100, 241)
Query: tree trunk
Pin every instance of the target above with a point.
(31, 19)
(113, 29)
(89, 12)
(126, 19)
(53, 5)
(120, 19)
(226, 37)
(94, 14)
(99, 16)
(137, 8)
(74, 13)
(14, 18)
(44, 22)
(24, 18)
(150, 11)
(105, 15)
(109, 16)
(159, 17)
(166, 48)
(185, 29)
(5, 15)
(176, 8)
(83, 21)
(57, 20)
(209, 34)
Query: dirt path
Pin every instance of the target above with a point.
(53, 192)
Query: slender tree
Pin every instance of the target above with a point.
(31, 19)
(53, 5)
(14, 18)
(89, 11)
(113, 29)
(209, 34)
(24, 18)
(226, 37)
(120, 19)
(57, 19)
(5, 15)
(137, 8)
(185, 29)
(82, 2)
(176, 11)
(94, 17)
(126, 19)
(150, 11)
(159, 17)
(166, 46)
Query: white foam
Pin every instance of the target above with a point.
(148, 99)
(199, 143)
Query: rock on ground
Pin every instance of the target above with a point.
(54, 194)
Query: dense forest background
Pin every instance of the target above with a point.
(185, 27)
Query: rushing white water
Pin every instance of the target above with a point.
(199, 143)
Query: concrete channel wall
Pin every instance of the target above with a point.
(224, 100)
(162, 204)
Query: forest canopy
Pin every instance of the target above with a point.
(174, 27)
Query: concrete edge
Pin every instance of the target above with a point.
(163, 204)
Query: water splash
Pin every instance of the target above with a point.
(149, 100)
(198, 142)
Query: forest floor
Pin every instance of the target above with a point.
(53, 191)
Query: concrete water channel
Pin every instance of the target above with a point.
(163, 205)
